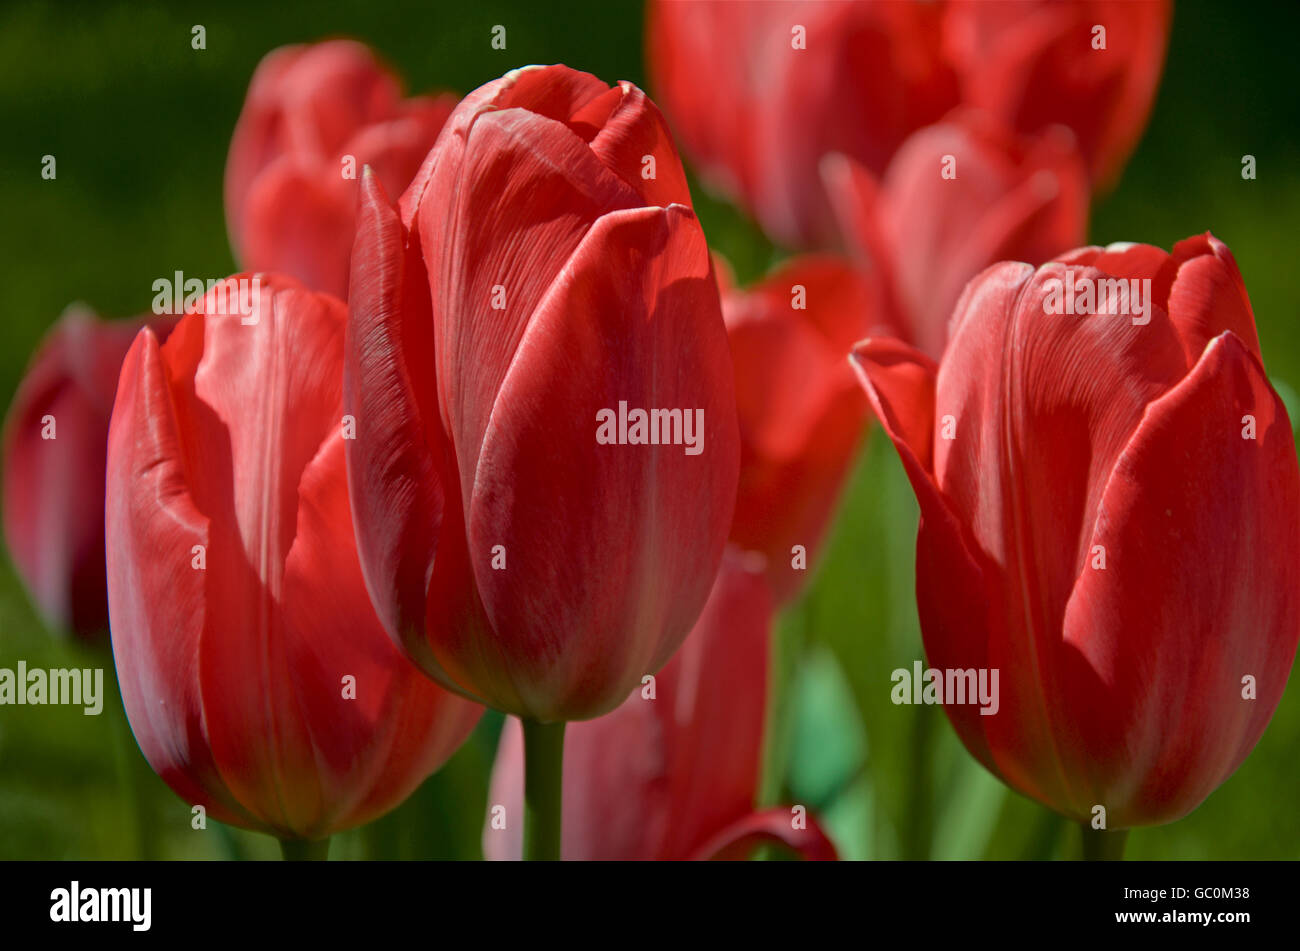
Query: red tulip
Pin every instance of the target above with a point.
(1093, 65)
(801, 412)
(257, 679)
(933, 224)
(562, 287)
(54, 444)
(315, 115)
(757, 112)
(1110, 513)
(672, 777)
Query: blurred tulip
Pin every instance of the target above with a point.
(257, 679)
(55, 439)
(314, 116)
(1110, 517)
(672, 777)
(801, 411)
(758, 92)
(957, 197)
(1092, 65)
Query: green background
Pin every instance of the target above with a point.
(140, 122)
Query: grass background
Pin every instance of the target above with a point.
(140, 122)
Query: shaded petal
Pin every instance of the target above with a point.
(397, 495)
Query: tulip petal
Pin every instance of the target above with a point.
(396, 491)
(53, 487)
(633, 131)
(1035, 64)
(770, 827)
(298, 221)
(638, 286)
(951, 574)
(156, 597)
(1009, 199)
(860, 211)
(395, 727)
(1187, 491)
(555, 92)
(305, 100)
(1209, 297)
(237, 386)
(487, 282)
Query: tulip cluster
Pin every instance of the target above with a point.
(500, 429)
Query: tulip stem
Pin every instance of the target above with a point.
(305, 850)
(1103, 845)
(543, 781)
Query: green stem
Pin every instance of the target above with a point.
(305, 850)
(543, 781)
(1102, 845)
(918, 825)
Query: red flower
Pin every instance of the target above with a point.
(671, 777)
(54, 444)
(1034, 63)
(1110, 517)
(257, 679)
(957, 197)
(801, 412)
(758, 92)
(547, 264)
(315, 115)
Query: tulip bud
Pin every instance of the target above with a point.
(315, 116)
(671, 774)
(55, 436)
(540, 519)
(1110, 518)
(256, 677)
